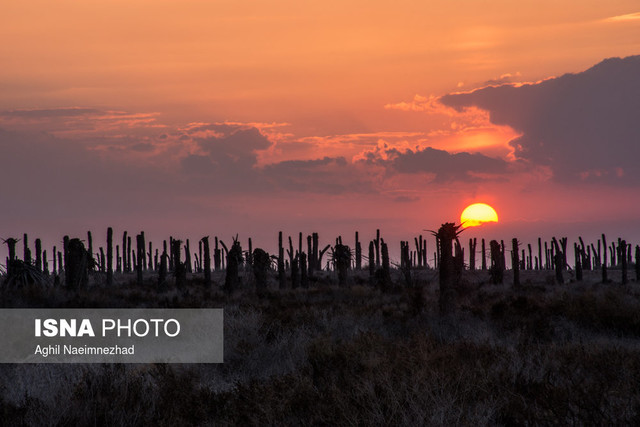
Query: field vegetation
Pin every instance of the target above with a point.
(357, 354)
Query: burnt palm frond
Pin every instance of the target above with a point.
(23, 274)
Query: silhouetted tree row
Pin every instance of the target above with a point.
(76, 263)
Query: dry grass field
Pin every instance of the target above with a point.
(541, 353)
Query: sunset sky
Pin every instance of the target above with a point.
(196, 118)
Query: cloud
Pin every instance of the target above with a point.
(503, 79)
(624, 18)
(77, 122)
(328, 175)
(445, 166)
(49, 113)
(583, 126)
(239, 147)
(419, 103)
(42, 174)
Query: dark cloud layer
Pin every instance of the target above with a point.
(584, 126)
(329, 175)
(49, 113)
(447, 167)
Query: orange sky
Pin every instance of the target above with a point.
(290, 60)
(355, 79)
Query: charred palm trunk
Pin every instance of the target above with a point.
(385, 275)
(372, 265)
(260, 267)
(124, 252)
(129, 265)
(179, 269)
(76, 271)
(164, 260)
(578, 261)
(234, 259)
(559, 261)
(623, 261)
(11, 246)
(187, 257)
(539, 253)
(282, 282)
(604, 260)
(140, 258)
(150, 258)
(515, 262)
(342, 260)
(358, 253)
(377, 244)
(206, 260)
(53, 259)
(294, 259)
(447, 275)
(484, 256)
(472, 253)
(91, 263)
(458, 260)
(156, 265)
(217, 256)
(405, 264)
(304, 276)
(637, 263)
(65, 252)
(315, 255)
(26, 251)
(496, 271)
(102, 266)
(45, 263)
(38, 254)
(109, 256)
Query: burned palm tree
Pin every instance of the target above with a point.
(358, 253)
(19, 274)
(623, 260)
(446, 234)
(304, 276)
(383, 275)
(164, 261)
(39, 254)
(637, 266)
(515, 262)
(372, 265)
(579, 260)
(234, 260)
(206, 258)
(281, 269)
(109, 256)
(26, 250)
(294, 258)
(76, 273)
(342, 261)
(405, 263)
(559, 259)
(11, 246)
(261, 266)
(179, 269)
(140, 260)
(496, 271)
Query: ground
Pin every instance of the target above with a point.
(542, 353)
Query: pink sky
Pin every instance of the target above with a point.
(198, 118)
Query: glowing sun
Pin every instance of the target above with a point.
(477, 214)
